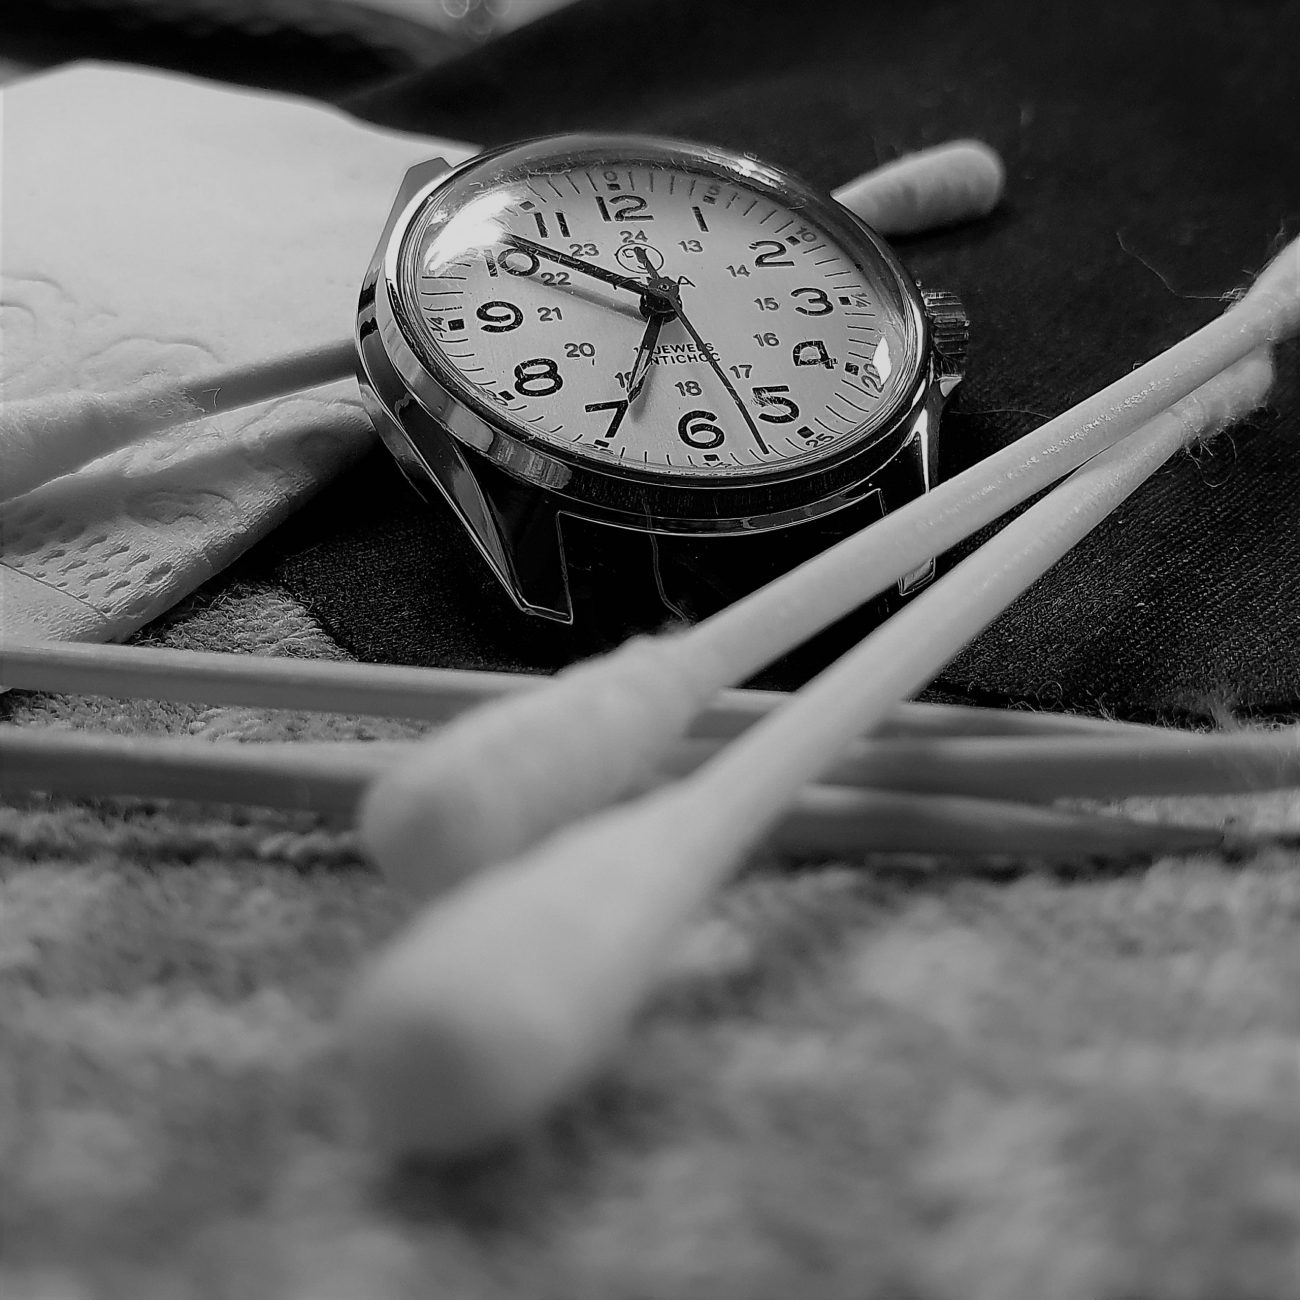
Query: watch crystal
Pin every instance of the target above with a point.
(659, 311)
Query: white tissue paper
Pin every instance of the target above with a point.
(152, 226)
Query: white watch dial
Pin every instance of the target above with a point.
(658, 315)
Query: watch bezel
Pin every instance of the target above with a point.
(445, 404)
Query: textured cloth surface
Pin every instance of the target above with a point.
(1151, 168)
(890, 1078)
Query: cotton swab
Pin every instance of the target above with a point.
(428, 694)
(1040, 769)
(320, 778)
(928, 189)
(829, 820)
(603, 725)
(43, 438)
(505, 996)
(329, 778)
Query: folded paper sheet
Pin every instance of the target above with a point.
(155, 226)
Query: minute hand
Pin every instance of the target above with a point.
(638, 287)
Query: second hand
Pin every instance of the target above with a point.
(667, 289)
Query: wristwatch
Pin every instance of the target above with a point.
(618, 341)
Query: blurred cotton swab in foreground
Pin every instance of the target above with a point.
(328, 778)
(505, 996)
(602, 726)
(431, 694)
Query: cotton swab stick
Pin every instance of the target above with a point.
(306, 777)
(1039, 769)
(331, 776)
(602, 725)
(329, 779)
(428, 694)
(43, 438)
(826, 820)
(506, 995)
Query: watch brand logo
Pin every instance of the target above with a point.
(633, 257)
(636, 257)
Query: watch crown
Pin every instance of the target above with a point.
(949, 336)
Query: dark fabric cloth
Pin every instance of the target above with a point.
(324, 48)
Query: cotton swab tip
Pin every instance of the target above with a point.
(504, 996)
(490, 784)
(936, 187)
(1233, 395)
(1276, 294)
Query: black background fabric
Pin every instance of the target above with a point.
(1153, 164)
(323, 48)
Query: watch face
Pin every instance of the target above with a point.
(657, 308)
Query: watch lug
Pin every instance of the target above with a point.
(949, 337)
(515, 527)
(923, 447)
(527, 546)
(417, 178)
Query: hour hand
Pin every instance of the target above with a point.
(646, 351)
